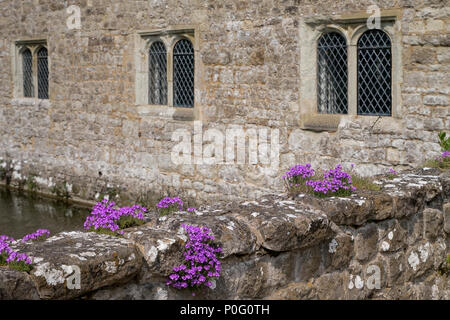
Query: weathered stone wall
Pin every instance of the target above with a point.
(389, 244)
(91, 134)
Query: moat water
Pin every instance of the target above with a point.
(22, 213)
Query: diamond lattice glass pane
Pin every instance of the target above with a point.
(374, 73)
(332, 74)
(27, 67)
(42, 74)
(157, 81)
(183, 74)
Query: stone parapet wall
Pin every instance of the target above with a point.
(387, 244)
(91, 133)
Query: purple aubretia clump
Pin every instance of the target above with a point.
(40, 234)
(201, 257)
(168, 204)
(445, 154)
(336, 182)
(106, 218)
(14, 259)
(298, 174)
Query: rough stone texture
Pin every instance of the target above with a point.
(275, 247)
(447, 217)
(103, 260)
(91, 134)
(16, 285)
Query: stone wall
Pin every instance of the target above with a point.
(388, 244)
(91, 134)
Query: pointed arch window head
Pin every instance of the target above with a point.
(332, 74)
(157, 81)
(42, 73)
(27, 72)
(374, 73)
(183, 74)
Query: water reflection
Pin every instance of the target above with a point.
(22, 213)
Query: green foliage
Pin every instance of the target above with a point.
(444, 142)
(339, 193)
(444, 164)
(364, 183)
(105, 231)
(129, 222)
(444, 268)
(166, 211)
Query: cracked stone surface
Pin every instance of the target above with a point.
(388, 244)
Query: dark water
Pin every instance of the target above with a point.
(23, 213)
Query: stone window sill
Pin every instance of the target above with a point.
(320, 122)
(30, 102)
(330, 122)
(166, 112)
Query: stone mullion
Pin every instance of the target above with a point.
(170, 74)
(34, 68)
(352, 79)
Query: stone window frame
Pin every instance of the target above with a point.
(34, 46)
(169, 36)
(351, 26)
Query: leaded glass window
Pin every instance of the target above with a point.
(183, 74)
(332, 73)
(157, 81)
(42, 73)
(374, 73)
(27, 71)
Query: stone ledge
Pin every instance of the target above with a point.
(166, 112)
(269, 244)
(103, 260)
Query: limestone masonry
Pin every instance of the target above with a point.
(388, 244)
(96, 136)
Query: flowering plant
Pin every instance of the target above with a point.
(14, 259)
(40, 234)
(105, 218)
(445, 154)
(442, 161)
(299, 173)
(336, 182)
(168, 205)
(201, 260)
(392, 173)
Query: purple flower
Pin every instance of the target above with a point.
(105, 216)
(302, 171)
(200, 256)
(392, 171)
(10, 255)
(39, 234)
(167, 202)
(335, 180)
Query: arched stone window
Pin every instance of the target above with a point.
(42, 73)
(27, 72)
(183, 74)
(332, 73)
(157, 81)
(374, 73)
